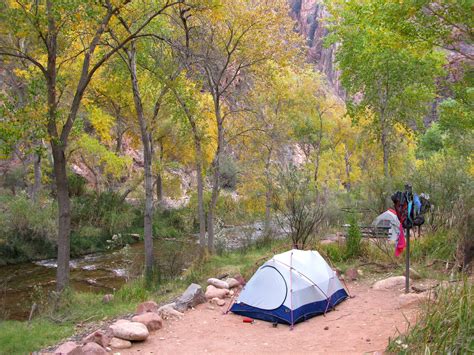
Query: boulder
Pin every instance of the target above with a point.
(69, 348)
(150, 319)
(391, 282)
(118, 343)
(93, 349)
(212, 292)
(107, 298)
(217, 283)
(167, 311)
(241, 280)
(232, 282)
(125, 329)
(100, 337)
(410, 299)
(193, 296)
(217, 301)
(148, 306)
(351, 274)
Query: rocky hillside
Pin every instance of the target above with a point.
(310, 16)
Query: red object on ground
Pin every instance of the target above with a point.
(247, 320)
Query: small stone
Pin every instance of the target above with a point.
(107, 298)
(351, 274)
(100, 337)
(217, 283)
(326, 328)
(388, 283)
(212, 292)
(152, 320)
(93, 349)
(218, 301)
(118, 343)
(69, 348)
(240, 279)
(410, 299)
(125, 329)
(148, 306)
(367, 340)
(232, 282)
(167, 311)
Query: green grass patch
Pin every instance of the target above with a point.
(21, 338)
(446, 326)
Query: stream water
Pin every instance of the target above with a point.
(108, 271)
(100, 272)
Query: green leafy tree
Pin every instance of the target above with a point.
(383, 73)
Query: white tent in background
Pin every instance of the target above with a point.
(388, 219)
(289, 288)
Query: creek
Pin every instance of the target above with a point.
(21, 284)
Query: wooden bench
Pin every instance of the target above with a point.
(371, 231)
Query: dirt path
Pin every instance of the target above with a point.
(359, 325)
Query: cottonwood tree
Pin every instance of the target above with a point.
(393, 78)
(63, 41)
(224, 48)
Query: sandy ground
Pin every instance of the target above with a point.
(359, 325)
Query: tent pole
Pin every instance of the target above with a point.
(291, 290)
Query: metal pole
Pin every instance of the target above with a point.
(407, 271)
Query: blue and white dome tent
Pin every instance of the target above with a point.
(290, 288)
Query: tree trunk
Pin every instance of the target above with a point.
(37, 176)
(159, 179)
(147, 157)
(317, 149)
(64, 216)
(200, 192)
(347, 161)
(268, 196)
(198, 161)
(58, 147)
(386, 156)
(215, 180)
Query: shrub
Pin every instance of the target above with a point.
(353, 240)
(28, 229)
(171, 223)
(299, 206)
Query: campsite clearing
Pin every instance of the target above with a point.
(359, 325)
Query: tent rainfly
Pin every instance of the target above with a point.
(388, 219)
(290, 288)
